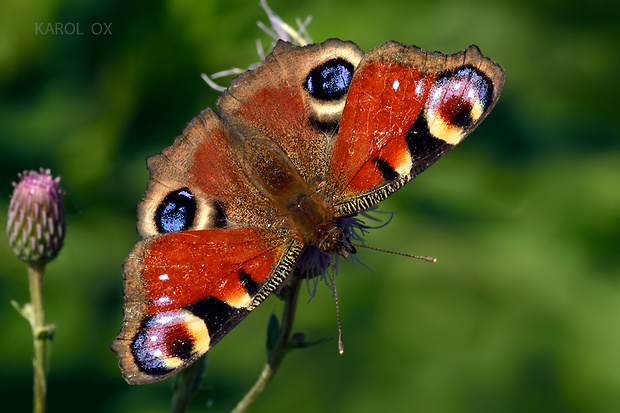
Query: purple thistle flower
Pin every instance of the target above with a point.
(36, 220)
(316, 265)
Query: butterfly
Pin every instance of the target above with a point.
(314, 135)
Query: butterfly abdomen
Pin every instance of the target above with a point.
(306, 211)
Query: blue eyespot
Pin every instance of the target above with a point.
(161, 339)
(460, 97)
(477, 82)
(331, 80)
(176, 212)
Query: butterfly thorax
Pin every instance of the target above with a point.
(306, 211)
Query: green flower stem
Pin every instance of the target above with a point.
(184, 385)
(41, 334)
(281, 346)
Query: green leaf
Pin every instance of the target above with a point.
(273, 329)
(299, 341)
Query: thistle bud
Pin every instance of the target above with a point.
(36, 221)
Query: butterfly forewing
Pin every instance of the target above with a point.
(405, 109)
(178, 307)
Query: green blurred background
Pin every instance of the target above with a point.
(520, 314)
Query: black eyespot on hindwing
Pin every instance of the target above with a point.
(176, 212)
(328, 127)
(330, 80)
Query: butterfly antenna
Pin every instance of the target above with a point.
(418, 257)
(340, 341)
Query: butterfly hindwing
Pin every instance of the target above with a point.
(201, 175)
(295, 101)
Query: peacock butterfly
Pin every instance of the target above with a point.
(314, 135)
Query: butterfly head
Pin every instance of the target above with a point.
(314, 259)
(335, 241)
